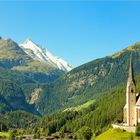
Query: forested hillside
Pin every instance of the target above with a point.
(94, 119)
(89, 81)
(20, 75)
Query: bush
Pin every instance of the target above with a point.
(11, 135)
(84, 133)
(138, 130)
(37, 135)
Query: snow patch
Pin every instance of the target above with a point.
(36, 52)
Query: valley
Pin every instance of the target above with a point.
(41, 95)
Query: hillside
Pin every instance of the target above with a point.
(13, 98)
(18, 119)
(14, 57)
(90, 80)
(20, 76)
(94, 117)
(11, 54)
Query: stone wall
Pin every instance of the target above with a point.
(126, 128)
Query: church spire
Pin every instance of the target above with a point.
(131, 75)
(131, 97)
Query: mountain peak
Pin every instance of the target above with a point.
(28, 40)
(36, 52)
(30, 43)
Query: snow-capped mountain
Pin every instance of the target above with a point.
(36, 52)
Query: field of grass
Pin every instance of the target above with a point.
(36, 66)
(80, 107)
(115, 134)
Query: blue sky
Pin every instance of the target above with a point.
(78, 31)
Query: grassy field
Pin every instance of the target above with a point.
(115, 134)
(83, 106)
(80, 107)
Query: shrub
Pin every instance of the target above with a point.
(138, 130)
(84, 133)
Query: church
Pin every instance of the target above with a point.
(131, 111)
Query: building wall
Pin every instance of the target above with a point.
(123, 127)
(124, 115)
(131, 102)
(137, 114)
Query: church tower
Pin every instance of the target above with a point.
(131, 98)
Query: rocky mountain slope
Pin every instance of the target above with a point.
(12, 56)
(43, 55)
(20, 75)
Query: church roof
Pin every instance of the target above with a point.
(131, 74)
(138, 102)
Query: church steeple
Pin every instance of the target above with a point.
(130, 97)
(131, 74)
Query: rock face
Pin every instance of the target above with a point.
(35, 95)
